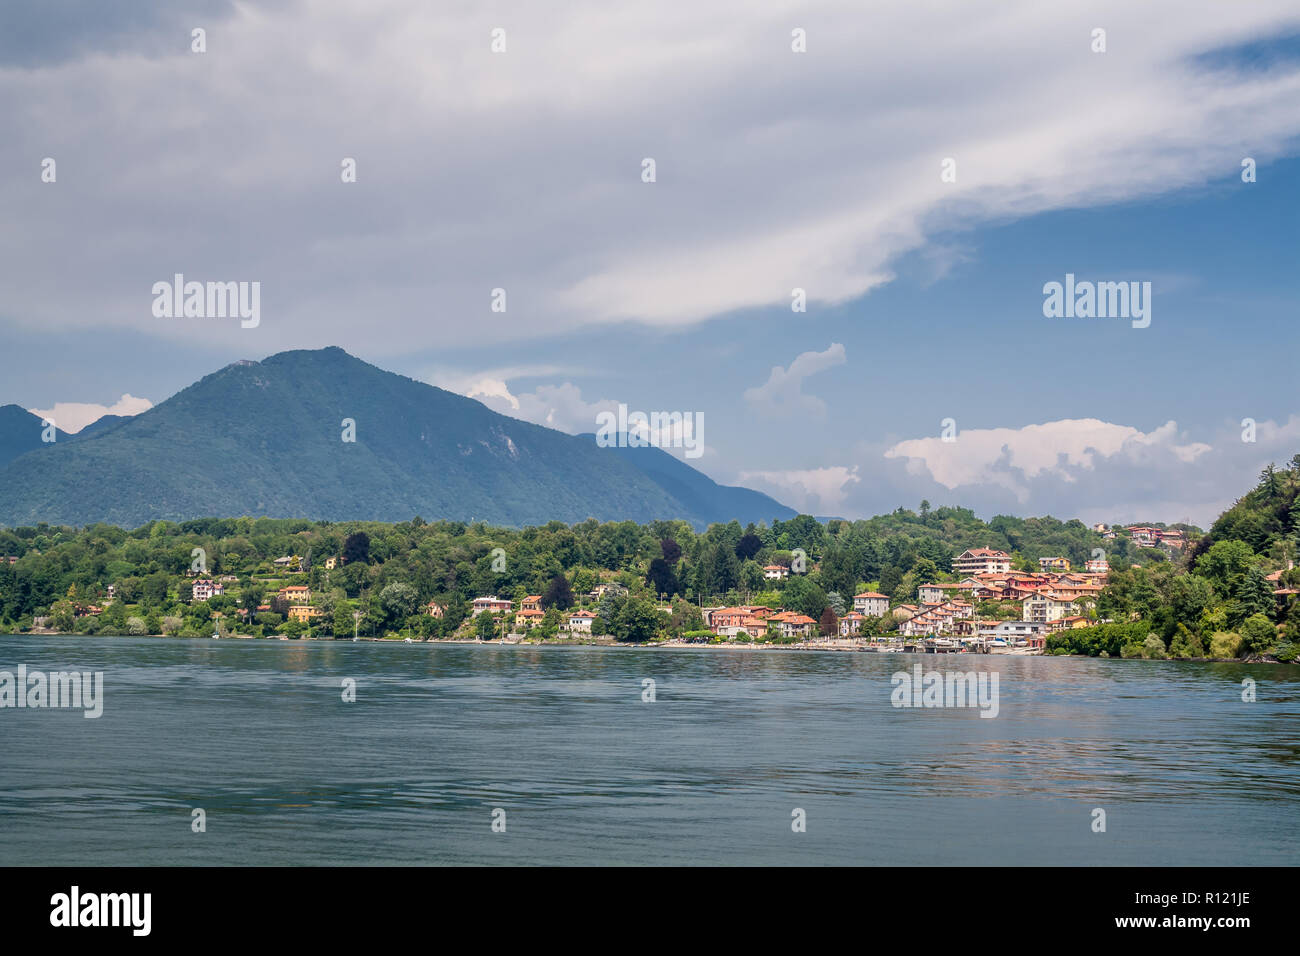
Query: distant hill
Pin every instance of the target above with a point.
(100, 425)
(20, 432)
(697, 492)
(264, 438)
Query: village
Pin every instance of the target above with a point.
(985, 607)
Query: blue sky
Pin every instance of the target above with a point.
(775, 169)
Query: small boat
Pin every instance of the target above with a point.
(407, 641)
(216, 636)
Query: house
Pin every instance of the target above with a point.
(331, 564)
(296, 594)
(288, 561)
(1014, 630)
(492, 604)
(1047, 607)
(730, 618)
(1077, 620)
(1172, 539)
(531, 603)
(750, 624)
(617, 590)
(1097, 566)
(775, 572)
(1144, 536)
(851, 624)
(530, 617)
(434, 609)
(949, 617)
(981, 561)
(304, 613)
(791, 624)
(112, 592)
(580, 621)
(938, 593)
(1076, 592)
(1054, 564)
(871, 603)
(205, 588)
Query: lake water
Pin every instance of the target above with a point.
(257, 735)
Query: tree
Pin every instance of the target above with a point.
(485, 626)
(637, 620)
(1257, 634)
(558, 594)
(748, 546)
(1252, 596)
(356, 548)
(661, 577)
(672, 551)
(398, 602)
(344, 624)
(829, 624)
(804, 596)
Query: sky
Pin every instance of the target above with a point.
(920, 171)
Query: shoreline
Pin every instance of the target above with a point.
(813, 647)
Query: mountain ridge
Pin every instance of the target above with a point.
(269, 438)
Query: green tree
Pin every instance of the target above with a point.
(398, 602)
(1257, 634)
(637, 620)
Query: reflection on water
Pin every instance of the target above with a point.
(257, 734)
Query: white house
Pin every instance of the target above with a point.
(580, 621)
(1044, 608)
(775, 572)
(871, 603)
(982, 561)
(205, 588)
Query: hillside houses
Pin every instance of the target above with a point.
(946, 618)
(981, 561)
(1145, 536)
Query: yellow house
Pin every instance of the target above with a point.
(304, 612)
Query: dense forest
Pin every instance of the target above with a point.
(1214, 597)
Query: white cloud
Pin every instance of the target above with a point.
(782, 393)
(1010, 457)
(522, 170)
(72, 417)
(818, 491)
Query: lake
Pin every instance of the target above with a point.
(256, 734)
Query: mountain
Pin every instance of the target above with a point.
(20, 432)
(699, 493)
(100, 425)
(266, 438)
